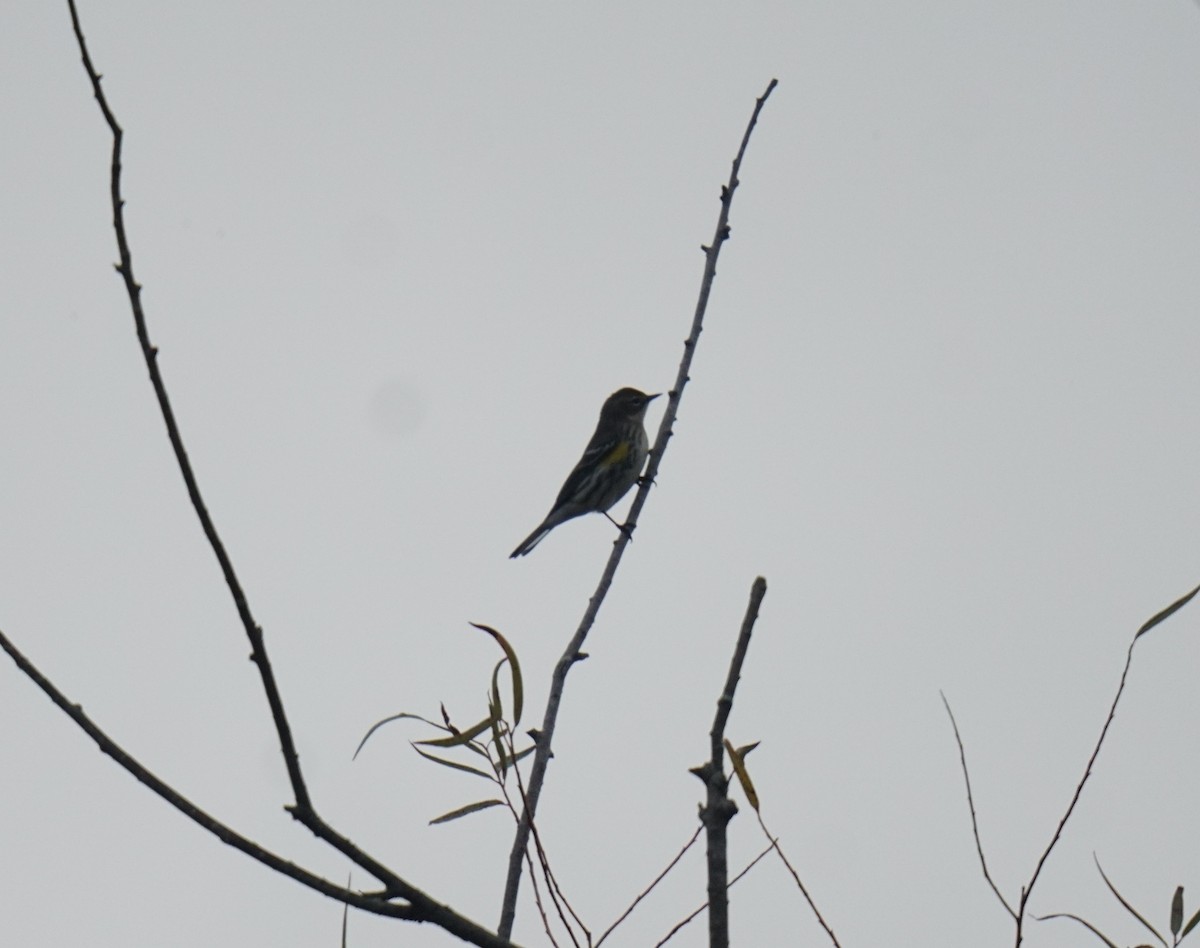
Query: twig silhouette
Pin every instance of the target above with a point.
(796, 877)
(1027, 889)
(718, 808)
(377, 904)
(552, 887)
(962, 756)
(732, 882)
(420, 907)
(650, 888)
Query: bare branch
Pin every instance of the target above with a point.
(1087, 771)
(718, 809)
(1027, 889)
(422, 909)
(650, 888)
(258, 652)
(962, 756)
(573, 652)
(800, 885)
(732, 882)
(725, 703)
(537, 901)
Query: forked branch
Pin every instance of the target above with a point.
(420, 907)
(1019, 912)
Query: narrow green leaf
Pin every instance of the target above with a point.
(503, 760)
(1190, 925)
(496, 706)
(462, 737)
(1167, 612)
(739, 768)
(346, 911)
(1088, 925)
(465, 768)
(518, 684)
(1177, 911)
(497, 739)
(395, 717)
(466, 810)
(1129, 908)
(507, 760)
(521, 755)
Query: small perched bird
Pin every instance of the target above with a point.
(611, 464)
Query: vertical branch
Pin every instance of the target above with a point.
(573, 651)
(718, 808)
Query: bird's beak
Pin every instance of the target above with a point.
(650, 398)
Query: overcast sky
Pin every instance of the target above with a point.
(395, 257)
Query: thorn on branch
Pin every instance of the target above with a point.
(703, 771)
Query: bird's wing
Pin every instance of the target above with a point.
(597, 456)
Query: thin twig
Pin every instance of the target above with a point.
(1027, 889)
(732, 882)
(553, 890)
(962, 756)
(645, 892)
(537, 900)
(572, 654)
(796, 876)
(552, 887)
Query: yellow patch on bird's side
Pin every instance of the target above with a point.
(618, 453)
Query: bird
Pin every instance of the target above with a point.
(611, 464)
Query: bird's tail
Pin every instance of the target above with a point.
(532, 540)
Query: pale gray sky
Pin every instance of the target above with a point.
(396, 255)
